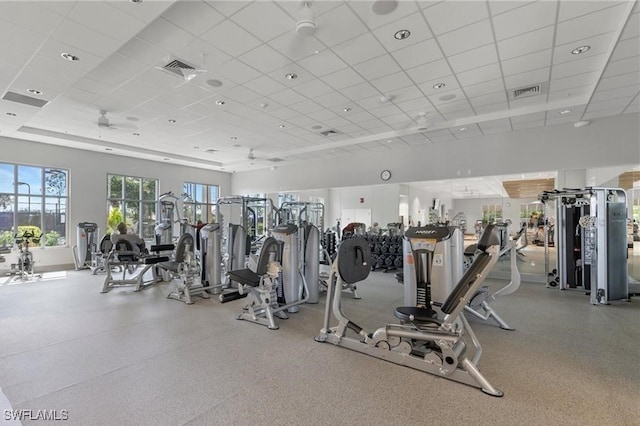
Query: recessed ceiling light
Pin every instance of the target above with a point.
(213, 82)
(35, 92)
(264, 105)
(347, 109)
(196, 147)
(462, 129)
(291, 76)
(171, 120)
(447, 97)
(384, 7)
(565, 111)
(108, 149)
(402, 34)
(132, 118)
(70, 57)
(439, 85)
(389, 141)
(233, 138)
(581, 49)
(422, 129)
(136, 134)
(220, 103)
(136, 1)
(316, 127)
(282, 126)
(166, 159)
(12, 114)
(386, 98)
(315, 52)
(583, 123)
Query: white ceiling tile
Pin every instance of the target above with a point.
(572, 95)
(584, 79)
(536, 116)
(484, 88)
(414, 23)
(632, 29)
(602, 113)
(415, 106)
(622, 66)
(165, 35)
(429, 72)
(573, 9)
(86, 39)
(323, 63)
(203, 55)
(359, 117)
(284, 113)
(398, 119)
(619, 92)
(301, 120)
(287, 97)
(527, 78)
(447, 16)
(264, 85)
(372, 20)
(492, 98)
(295, 47)
(313, 88)
(417, 54)
(386, 111)
(475, 58)
(442, 139)
(525, 19)
(264, 19)
(390, 83)
(626, 49)
(237, 71)
(606, 20)
(498, 7)
(337, 25)
(633, 107)
(610, 104)
(236, 40)
(478, 75)
(466, 38)
(441, 98)
(526, 63)
(499, 107)
(332, 99)
(359, 49)
(406, 94)
(241, 94)
(451, 106)
(526, 43)
(360, 91)
(600, 44)
(228, 8)
(319, 8)
(144, 52)
(264, 59)
(104, 17)
(30, 15)
(578, 66)
(344, 78)
(450, 83)
(501, 122)
(378, 67)
(528, 125)
(630, 79)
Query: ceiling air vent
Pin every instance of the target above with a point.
(527, 91)
(180, 68)
(25, 100)
(329, 132)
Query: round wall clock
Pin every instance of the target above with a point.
(385, 175)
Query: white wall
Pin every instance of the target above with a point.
(606, 142)
(88, 184)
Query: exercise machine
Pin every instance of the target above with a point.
(278, 285)
(434, 263)
(87, 245)
(185, 272)
(591, 248)
(24, 267)
(445, 346)
(169, 214)
(99, 256)
(134, 265)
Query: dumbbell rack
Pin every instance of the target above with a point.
(386, 252)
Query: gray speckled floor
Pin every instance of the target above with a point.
(126, 358)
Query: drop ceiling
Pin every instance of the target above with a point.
(453, 78)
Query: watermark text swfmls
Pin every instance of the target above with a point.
(36, 415)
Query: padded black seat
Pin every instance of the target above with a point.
(250, 278)
(181, 249)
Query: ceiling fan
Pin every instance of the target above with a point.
(419, 122)
(251, 156)
(105, 123)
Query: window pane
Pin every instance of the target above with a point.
(148, 220)
(213, 194)
(115, 186)
(149, 189)
(132, 188)
(6, 178)
(54, 225)
(55, 182)
(29, 180)
(131, 214)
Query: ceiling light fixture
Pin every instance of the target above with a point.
(12, 114)
(347, 109)
(282, 126)
(439, 85)
(108, 149)
(264, 105)
(172, 121)
(233, 138)
(447, 97)
(565, 111)
(386, 98)
(291, 76)
(402, 34)
(136, 1)
(166, 159)
(213, 82)
(581, 49)
(132, 118)
(35, 92)
(69, 57)
(463, 129)
(136, 134)
(220, 103)
(316, 127)
(582, 123)
(384, 7)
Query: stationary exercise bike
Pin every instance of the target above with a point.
(24, 267)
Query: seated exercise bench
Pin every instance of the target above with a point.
(433, 339)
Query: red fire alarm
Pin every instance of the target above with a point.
(361, 200)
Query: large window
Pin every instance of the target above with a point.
(201, 202)
(35, 199)
(132, 200)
